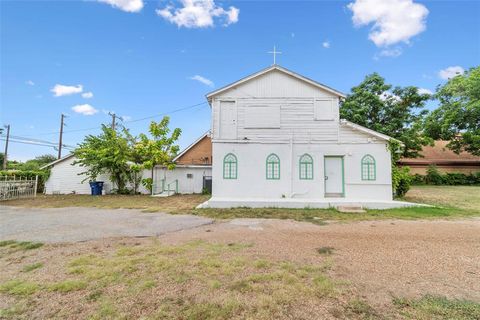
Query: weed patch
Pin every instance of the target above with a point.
(325, 250)
(434, 307)
(19, 287)
(32, 267)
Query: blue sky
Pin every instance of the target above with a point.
(140, 58)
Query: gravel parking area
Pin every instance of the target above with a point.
(81, 224)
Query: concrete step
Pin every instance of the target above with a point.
(351, 209)
(164, 194)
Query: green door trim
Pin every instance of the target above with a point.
(324, 172)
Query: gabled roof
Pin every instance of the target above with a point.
(367, 131)
(191, 146)
(68, 156)
(278, 68)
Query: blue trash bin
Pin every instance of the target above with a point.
(96, 188)
(99, 187)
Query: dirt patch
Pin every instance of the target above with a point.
(262, 269)
(381, 258)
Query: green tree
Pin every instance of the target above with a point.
(38, 162)
(394, 111)
(457, 119)
(160, 149)
(108, 153)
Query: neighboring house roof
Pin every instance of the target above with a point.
(367, 131)
(68, 156)
(439, 154)
(281, 69)
(198, 153)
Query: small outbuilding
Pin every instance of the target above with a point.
(192, 173)
(444, 159)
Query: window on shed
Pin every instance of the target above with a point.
(306, 167)
(368, 168)
(230, 166)
(273, 167)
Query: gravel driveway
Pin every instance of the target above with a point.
(81, 224)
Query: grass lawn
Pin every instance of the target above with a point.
(454, 202)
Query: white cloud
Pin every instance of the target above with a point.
(203, 80)
(85, 109)
(326, 44)
(30, 82)
(424, 91)
(450, 72)
(62, 90)
(87, 95)
(125, 5)
(198, 14)
(393, 21)
(126, 118)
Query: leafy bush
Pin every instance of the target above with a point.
(433, 175)
(418, 179)
(401, 180)
(451, 179)
(28, 174)
(148, 183)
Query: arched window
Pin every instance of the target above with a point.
(273, 167)
(230, 166)
(368, 168)
(306, 167)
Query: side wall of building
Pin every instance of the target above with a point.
(65, 178)
(251, 179)
(190, 179)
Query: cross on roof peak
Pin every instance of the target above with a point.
(274, 52)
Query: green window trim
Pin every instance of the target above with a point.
(230, 166)
(368, 168)
(272, 167)
(305, 167)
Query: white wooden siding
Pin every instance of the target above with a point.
(296, 101)
(275, 84)
(262, 117)
(65, 179)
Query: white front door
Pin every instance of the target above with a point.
(228, 120)
(334, 177)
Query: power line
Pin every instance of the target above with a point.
(32, 140)
(128, 121)
(167, 113)
(36, 143)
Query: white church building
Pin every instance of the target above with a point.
(278, 141)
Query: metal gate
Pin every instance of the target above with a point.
(17, 188)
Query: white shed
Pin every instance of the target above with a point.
(193, 167)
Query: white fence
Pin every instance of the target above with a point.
(17, 188)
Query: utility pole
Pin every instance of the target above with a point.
(6, 148)
(61, 136)
(114, 116)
